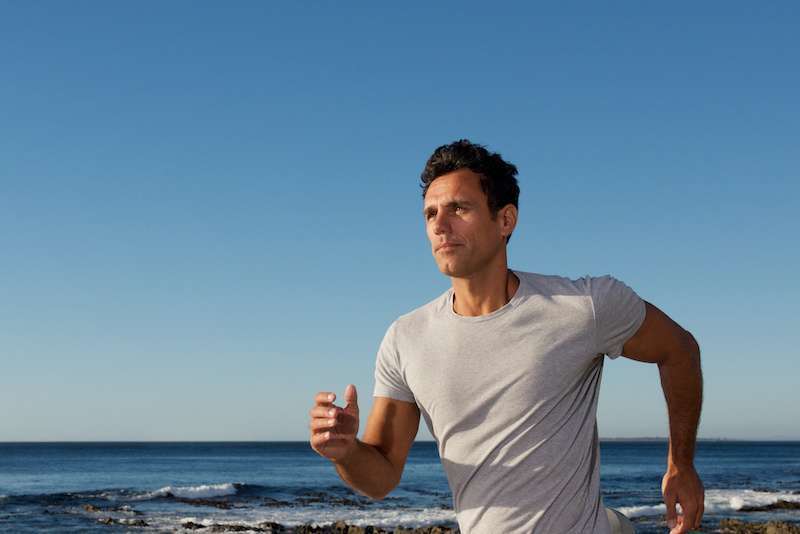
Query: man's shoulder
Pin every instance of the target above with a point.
(427, 311)
(554, 284)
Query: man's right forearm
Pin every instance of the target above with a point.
(367, 471)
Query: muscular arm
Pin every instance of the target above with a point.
(372, 466)
(662, 341)
(375, 465)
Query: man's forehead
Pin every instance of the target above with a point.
(433, 201)
(454, 187)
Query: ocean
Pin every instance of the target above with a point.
(158, 486)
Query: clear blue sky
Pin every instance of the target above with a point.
(211, 211)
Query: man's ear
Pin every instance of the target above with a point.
(508, 219)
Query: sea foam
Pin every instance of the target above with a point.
(316, 517)
(204, 491)
(719, 501)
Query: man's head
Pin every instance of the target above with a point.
(470, 207)
(498, 178)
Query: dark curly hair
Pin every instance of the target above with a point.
(498, 177)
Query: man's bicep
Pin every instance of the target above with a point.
(391, 428)
(656, 338)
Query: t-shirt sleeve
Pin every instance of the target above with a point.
(618, 313)
(389, 379)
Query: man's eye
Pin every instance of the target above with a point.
(460, 209)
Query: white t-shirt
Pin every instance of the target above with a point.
(511, 398)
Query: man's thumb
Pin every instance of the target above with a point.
(351, 397)
(672, 514)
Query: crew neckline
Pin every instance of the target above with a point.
(515, 300)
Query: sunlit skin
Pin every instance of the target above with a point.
(468, 244)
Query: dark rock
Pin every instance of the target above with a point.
(126, 522)
(122, 509)
(734, 526)
(318, 497)
(132, 522)
(268, 501)
(270, 526)
(780, 505)
(223, 505)
(234, 528)
(340, 527)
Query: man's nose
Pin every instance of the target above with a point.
(441, 224)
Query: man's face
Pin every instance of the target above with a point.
(464, 237)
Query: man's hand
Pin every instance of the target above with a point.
(682, 485)
(334, 429)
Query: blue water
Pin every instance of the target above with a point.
(69, 487)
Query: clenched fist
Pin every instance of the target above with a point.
(334, 429)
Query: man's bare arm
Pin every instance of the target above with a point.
(662, 341)
(372, 466)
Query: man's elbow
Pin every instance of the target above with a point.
(379, 490)
(380, 494)
(691, 346)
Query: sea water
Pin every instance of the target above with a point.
(70, 487)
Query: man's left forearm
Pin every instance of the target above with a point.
(682, 382)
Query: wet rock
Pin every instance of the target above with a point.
(126, 522)
(133, 522)
(734, 526)
(122, 509)
(269, 501)
(270, 526)
(222, 505)
(234, 528)
(320, 497)
(340, 527)
(780, 505)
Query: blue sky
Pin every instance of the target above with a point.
(211, 211)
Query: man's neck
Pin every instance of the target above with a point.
(485, 292)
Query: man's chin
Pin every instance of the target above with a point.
(453, 271)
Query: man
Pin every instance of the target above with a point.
(505, 368)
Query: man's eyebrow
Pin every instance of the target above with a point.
(451, 204)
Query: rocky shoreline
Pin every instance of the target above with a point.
(340, 527)
(725, 526)
(734, 526)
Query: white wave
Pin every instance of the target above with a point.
(641, 511)
(727, 500)
(293, 516)
(719, 501)
(204, 491)
(127, 521)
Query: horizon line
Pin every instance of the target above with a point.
(643, 438)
